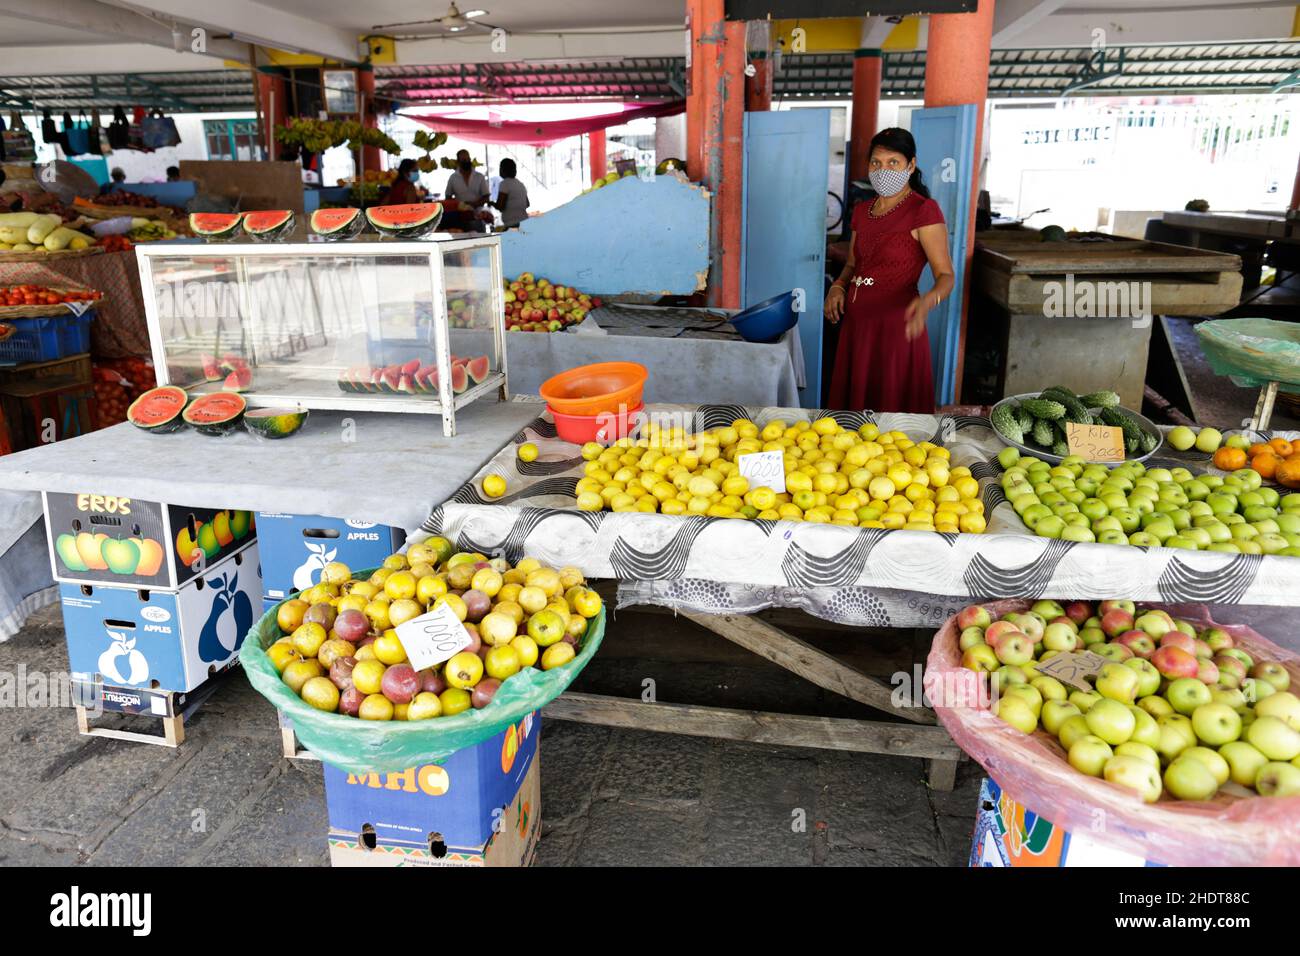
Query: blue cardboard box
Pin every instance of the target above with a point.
(294, 548)
(167, 640)
(449, 812)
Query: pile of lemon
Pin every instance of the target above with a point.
(865, 478)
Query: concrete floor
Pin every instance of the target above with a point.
(227, 797)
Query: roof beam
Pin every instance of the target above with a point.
(1013, 17)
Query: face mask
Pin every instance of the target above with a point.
(889, 182)
(413, 176)
(466, 167)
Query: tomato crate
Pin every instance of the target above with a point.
(70, 370)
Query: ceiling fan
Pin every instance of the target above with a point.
(453, 21)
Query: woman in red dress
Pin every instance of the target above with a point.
(882, 362)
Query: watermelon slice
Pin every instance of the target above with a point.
(211, 370)
(217, 413)
(478, 369)
(409, 221)
(158, 409)
(215, 225)
(459, 379)
(231, 363)
(268, 225)
(391, 378)
(335, 224)
(376, 380)
(274, 422)
(426, 379)
(405, 385)
(410, 368)
(241, 379)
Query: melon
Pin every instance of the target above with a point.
(241, 379)
(336, 224)
(211, 370)
(409, 221)
(215, 225)
(159, 409)
(459, 379)
(426, 379)
(478, 369)
(390, 378)
(274, 422)
(217, 413)
(268, 225)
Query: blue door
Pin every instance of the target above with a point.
(945, 153)
(787, 155)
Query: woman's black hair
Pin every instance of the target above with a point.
(508, 169)
(405, 167)
(898, 140)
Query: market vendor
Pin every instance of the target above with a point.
(512, 197)
(468, 186)
(882, 361)
(405, 188)
(116, 178)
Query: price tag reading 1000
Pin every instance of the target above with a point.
(433, 638)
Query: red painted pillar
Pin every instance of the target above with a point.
(867, 69)
(758, 86)
(366, 97)
(956, 72)
(715, 118)
(598, 151)
(1295, 192)
(272, 110)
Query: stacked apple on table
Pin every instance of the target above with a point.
(535, 304)
(1175, 709)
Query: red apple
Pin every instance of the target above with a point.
(1078, 611)
(1174, 662)
(1202, 650)
(1106, 606)
(1116, 621)
(1139, 642)
(974, 616)
(1208, 671)
(1180, 640)
(994, 631)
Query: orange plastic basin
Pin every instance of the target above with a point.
(593, 389)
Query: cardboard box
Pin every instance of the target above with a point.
(1009, 834)
(295, 547)
(455, 813)
(151, 544)
(167, 640)
(514, 845)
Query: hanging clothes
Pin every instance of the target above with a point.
(94, 145)
(119, 131)
(76, 136)
(49, 131)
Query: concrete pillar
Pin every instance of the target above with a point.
(599, 153)
(758, 86)
(715, 118)
(956, 72)
(370, 155)
(867, 68)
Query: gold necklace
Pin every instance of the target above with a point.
(872, 211)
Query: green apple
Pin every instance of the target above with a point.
(1181, 438)
(1283, 705)
(1089, 755)
(1237, 440)
(1074, 532)
(1278, 780)
(1006, 675)
(970, 638)
(1089, 635)
(1142, 539)
(1049, 687)
(1273, 738)
(1074, 728)
(1118, 683)
(1275, 674)
(1256, 689)
(1216, 724)
(1111, 721)
(1048, 610)
(1117, 653)
(1148, 676)
(1056, 713)
(1084, 699)
(1189, 779)
(1155, 705)
(1132, 748)
(1060, 637)
(980, 658)
(1134, 773)
(1176, 735)
(1244, 761)
(1209, 440)
(1229, 696)
(1215, 763)
(1186, 694)
(1028, 694)
(1017, 713)
(1145, 730)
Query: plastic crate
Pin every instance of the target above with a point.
(74, 336)
(35, 340)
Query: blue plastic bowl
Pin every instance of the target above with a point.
(767, 321)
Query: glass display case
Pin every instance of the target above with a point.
(385, 326)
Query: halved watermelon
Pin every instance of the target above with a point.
(335, 224)
(478, 369)
(215, 225)
(274, 422)
(217, 413)
(158, 409)
(268, 225)
(408, 221)
(241, 379)
(459, 379)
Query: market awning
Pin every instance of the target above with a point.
(530, 125)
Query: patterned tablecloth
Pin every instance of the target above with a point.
(869, 577)
(119, 330)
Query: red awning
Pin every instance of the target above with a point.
(498, 126)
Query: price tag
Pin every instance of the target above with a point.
(1072, 667)
(433, 638)
(764, 469)
(1095, 442)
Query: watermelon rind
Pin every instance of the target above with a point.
(159, 409)
(408, 221)
(216, 413)
(268, 225)
(478, 369)
(215, 225)
(274, 423)
(459, 379)
(337, 224)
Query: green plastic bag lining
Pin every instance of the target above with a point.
(1253, 352)
(390, 746)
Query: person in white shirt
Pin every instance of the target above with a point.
(468, 186)
(512, 197)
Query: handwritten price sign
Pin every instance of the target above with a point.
(764, 469)
(1072, 667)
(1095, 442)
(433, 638)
